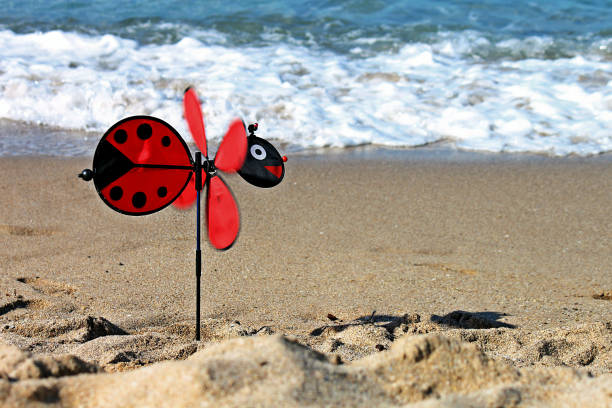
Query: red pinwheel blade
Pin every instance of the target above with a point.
(222, 214)
(187, 197)
(233, 148)
(195, 119)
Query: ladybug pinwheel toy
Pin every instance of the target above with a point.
(142, 165)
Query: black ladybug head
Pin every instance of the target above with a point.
(263, 165)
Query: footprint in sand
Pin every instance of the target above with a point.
(9, 306)
(603, 295)
(447, 268)
(21, 231)
(48, 287)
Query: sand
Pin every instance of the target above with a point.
(367, 278)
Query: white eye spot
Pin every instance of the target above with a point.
(258, 152)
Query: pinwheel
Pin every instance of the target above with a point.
(142, 165)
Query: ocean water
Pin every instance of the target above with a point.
(487, 75)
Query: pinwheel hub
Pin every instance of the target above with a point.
(209, 167)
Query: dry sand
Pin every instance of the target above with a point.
(364, 279)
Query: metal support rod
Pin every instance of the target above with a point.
(198, 186)
(198, 269)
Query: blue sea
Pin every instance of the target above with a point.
(487, 75)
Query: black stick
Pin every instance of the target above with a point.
(198, 186)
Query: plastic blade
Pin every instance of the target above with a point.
(233, 148)
(195, 119)
(187, 197)
(222, 216)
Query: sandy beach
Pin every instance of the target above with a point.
(366, 278)
(442, 236)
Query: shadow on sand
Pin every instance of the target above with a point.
(457, 319)
(472, 320)
(389, 322)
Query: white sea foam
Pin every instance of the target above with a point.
(308, 97)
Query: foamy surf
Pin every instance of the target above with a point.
(461, 88)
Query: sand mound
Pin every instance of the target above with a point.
(16, 295)
(76, 329)
(20, 297)
(140, 349)
(365, 335)
(429, 366)
(588, 345)
(270, 371)
(17, 365)
(429, 370)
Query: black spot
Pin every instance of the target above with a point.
(144, 131)
(166, 141)
(116, 193)
(120, 136)
(139, 199)
(162, 191)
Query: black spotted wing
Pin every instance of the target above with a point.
(141, 165)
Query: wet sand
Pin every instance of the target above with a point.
(359, 256)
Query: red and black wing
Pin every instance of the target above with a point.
(195, 119)
(222, 216)
(233, 148)
(141, 165)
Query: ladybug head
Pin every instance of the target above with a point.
(263, 165)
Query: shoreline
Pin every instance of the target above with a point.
(82, 144)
